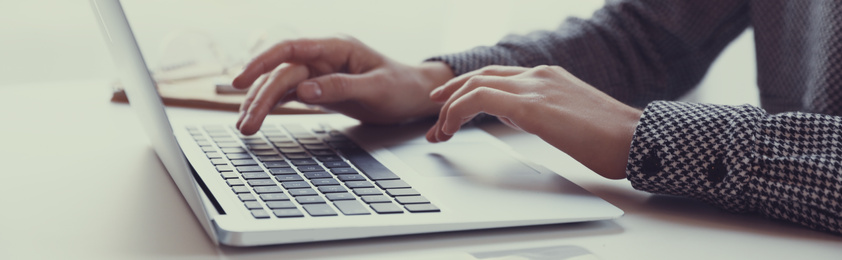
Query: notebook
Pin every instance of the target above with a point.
(306, 178)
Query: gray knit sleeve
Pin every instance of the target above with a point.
(636, 51)
(785, 166)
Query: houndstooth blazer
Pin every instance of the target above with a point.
(783, 161)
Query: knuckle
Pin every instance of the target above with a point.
(476, 80)
(492, 69)
(542, 71)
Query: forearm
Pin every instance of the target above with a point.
(786, 166)
(635, 51)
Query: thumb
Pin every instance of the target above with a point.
(335, 87)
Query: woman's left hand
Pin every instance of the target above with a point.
(547, 101)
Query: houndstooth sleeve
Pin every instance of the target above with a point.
(785, 166)
(636, 51)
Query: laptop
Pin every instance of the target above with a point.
(306, 178)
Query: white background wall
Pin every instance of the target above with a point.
(56, 40)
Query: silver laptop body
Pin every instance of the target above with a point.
(473, 181)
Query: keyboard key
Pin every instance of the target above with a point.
(386, 208)
(351, 207)
(230, 175)
(328, 158)
(253, 205)
(255, 175)
(219, 162)
(273, 196)
(268, 189)
(295, 185)
(208, 149)
(261, 182)
(310, 168)
(297, 156)
(302, 192)
(227, 144)
(264, 152)
(340, 196)
(203, 144)
(276, 164)
(376, 199)
(309, 199)
(391, 184)
(368, 165)
(286, 144)
(367, 191)
(233, 150)
(224, 168)
(332, 189)
(359, 184)
(280, 204)
(336, 164)
(259, 213)
(287, 213)
(320, 153)
(234, 182)
(317, 175)
(243, 162)
(270, 158)
(309, 141)
(317, 210)
(286, 178)
(303, 162)
(240, 189)
(324, 182)
(317, 147)
(421, 208)
(260, 147)
(236, 156)
(351, 177)
(412, 200)
(279, 138)
(280, 171)
(246, 196)
(291, 150)
(402, 192)
(213, 155)
(343, 171)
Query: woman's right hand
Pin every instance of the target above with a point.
(341, 74)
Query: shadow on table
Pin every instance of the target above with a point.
(433, 241)
(691, 212)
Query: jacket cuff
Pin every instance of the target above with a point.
(694, 150)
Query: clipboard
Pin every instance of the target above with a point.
(201, 93)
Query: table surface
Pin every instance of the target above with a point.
(81, 181)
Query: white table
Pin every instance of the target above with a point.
(80, 181)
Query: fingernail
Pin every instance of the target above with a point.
(309, 90)
(436, 92)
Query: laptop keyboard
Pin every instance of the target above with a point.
(289, 171)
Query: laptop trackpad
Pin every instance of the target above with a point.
(463, 159)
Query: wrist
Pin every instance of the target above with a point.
(622, 141)
(434, 74)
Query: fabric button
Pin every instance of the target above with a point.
(651, 163)
(717, 171)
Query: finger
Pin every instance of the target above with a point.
(278, 85)
(443, 92)
(339, 87)
(497, 82)
(294, 51)
(488, 100)
(250, 97)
